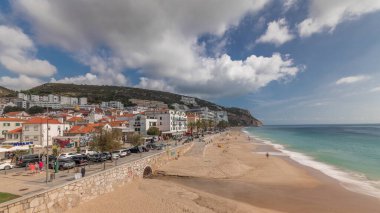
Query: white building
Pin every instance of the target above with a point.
(170, 121)
(82, 101)
(35, 98)
(40, 131)
(141, 123)
(65, 100)
(23, 96)
(74, 101)
(8, 124)
(221, 116)
(188, 100)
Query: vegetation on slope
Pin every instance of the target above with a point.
(96, 94)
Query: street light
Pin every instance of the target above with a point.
(47, 150)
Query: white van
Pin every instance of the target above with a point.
(88, 152)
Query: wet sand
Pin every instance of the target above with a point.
(229, 176)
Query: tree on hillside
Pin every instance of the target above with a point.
(222, 124)
(107, 141)
(12, 109)
(136, 140)
(153, 131)
(35, 110)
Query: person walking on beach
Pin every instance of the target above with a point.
(37, 167)
(267, 155)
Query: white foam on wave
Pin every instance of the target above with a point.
(349, 180)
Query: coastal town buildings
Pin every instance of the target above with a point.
(74, 122)
(40, 130)
(7, 125)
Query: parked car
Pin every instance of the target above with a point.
(127, 151)
(120, 153)
(23, 160)
(67, 155)
(5, 166)
(108, 155)
(80, 160)
(115, 156)
(97, 158)
(88, 152)
(136, 149)
(152, 146)
(66, 163)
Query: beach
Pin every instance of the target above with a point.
(232, 174)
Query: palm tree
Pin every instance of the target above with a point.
(191, 125)
(198, 124)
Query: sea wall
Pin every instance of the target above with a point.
(71, 194)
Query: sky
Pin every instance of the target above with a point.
(288, 62)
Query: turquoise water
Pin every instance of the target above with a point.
(354, 149)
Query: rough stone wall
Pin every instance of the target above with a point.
(69, 195)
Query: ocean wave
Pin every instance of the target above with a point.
(350, 180)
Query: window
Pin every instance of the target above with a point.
(26, 138)
(18, 124)
(16, 136)
(35, 138)
(160, 123)
(10, 136)
(4, 132)
(35, 127)
(26, 128)
(6, 124)
(160, 118)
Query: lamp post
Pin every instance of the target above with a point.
(47, 150)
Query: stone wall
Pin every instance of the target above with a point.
(69, 195)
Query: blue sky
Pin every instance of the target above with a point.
(288, 62)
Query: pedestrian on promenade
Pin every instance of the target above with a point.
(37, 167)
(41, 165)
(267, 155)
(83, 171)
(32, 168)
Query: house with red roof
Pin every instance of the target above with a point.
(20, 115)
(13, 136)
(41, 130)
(8, 124)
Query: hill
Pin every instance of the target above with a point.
(5, 92)
(96, 94)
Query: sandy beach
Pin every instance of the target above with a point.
(232, 174)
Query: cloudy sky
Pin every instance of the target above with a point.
(288, 62)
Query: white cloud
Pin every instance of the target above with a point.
(288, 4)
(327, 14)
(17, 54)
(226, 77)
(156, 38)
(376, 89)
(20, 82)
(277, 33)
(352, 79)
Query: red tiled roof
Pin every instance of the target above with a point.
(74, 119)
(38, 120)
(117, 123)
(11, 119)
(18, 130)
(13, 113)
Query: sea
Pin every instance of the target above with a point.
(348, 153)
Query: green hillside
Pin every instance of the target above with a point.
(96, 94)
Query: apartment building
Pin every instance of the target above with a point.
(8, 124)
(40, 131)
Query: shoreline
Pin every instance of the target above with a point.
(346, 179)
(227, 176)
